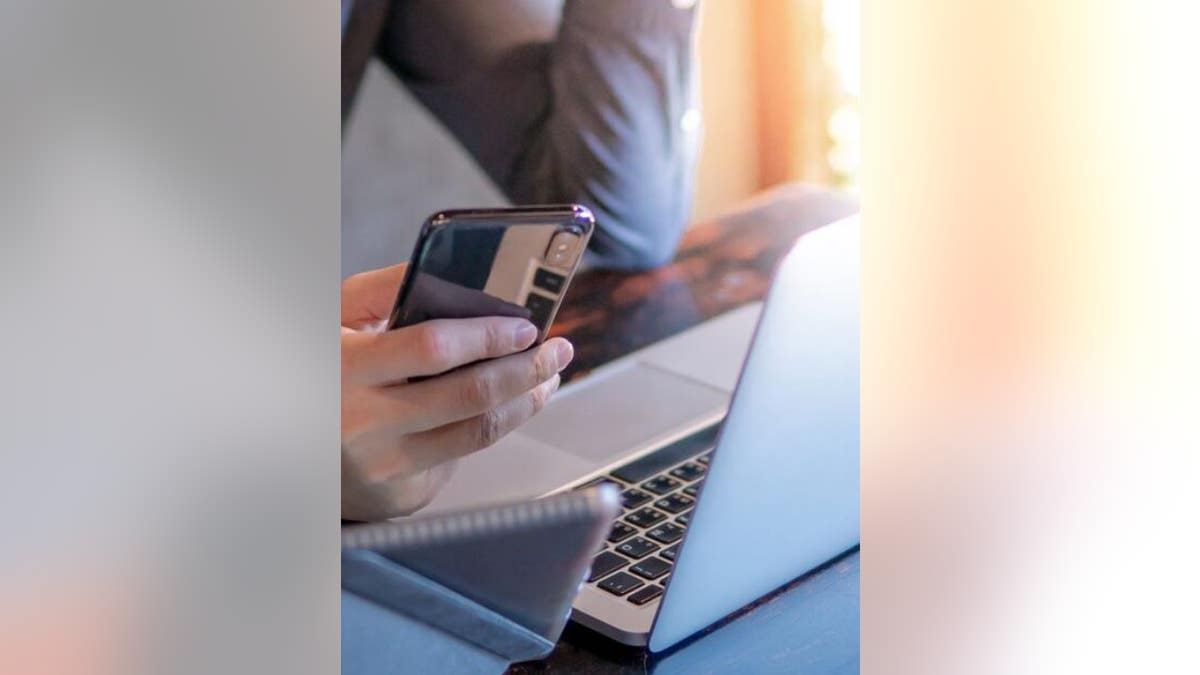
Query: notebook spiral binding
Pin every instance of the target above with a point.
(445, 528)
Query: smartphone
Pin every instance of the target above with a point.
(494, 262)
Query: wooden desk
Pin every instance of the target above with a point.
(810, 625)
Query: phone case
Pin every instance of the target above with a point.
(494, 262)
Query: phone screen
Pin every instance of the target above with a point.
(492, 264)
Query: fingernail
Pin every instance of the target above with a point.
(563, 352)
(524, 335)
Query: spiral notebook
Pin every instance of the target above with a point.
(470, 591)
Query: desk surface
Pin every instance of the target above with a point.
(810, 625)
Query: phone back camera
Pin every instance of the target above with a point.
(563, 249)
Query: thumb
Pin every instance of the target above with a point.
(368, 297)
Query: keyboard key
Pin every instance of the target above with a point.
(548, 281)
(637, 548)
(692, 489)
(684, 519)
(675, 503)
(669, 553)
(620, 583)
(599, 481)
(606, 563)
(664, 458)
(688, 472)
(705, 458)
(646, 594)
(645, 517)
(620, 532)
(661, 485)
(667, 533)
(651, 568)
(631, 498)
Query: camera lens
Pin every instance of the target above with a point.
(563, 249)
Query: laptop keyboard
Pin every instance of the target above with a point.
(658, 493)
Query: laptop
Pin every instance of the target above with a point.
(735, 445)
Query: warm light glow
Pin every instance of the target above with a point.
(843, 50)
(1029, 337)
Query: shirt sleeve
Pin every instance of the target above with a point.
(590, 101)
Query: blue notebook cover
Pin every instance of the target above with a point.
(468, 592)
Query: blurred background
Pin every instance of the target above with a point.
(779, 89)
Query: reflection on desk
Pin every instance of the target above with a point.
(721, 264)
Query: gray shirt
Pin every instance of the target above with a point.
(587, 101)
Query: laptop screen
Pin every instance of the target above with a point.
(782, 492)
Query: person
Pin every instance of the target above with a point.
(578, 101)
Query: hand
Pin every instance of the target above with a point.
(400, 438)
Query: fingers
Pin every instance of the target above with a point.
(396, 438)
(476, 389)
(430, 448)
(430, 348)
(369, 296)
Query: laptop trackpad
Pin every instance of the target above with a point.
(612, 412)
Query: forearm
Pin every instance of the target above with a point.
(621, 130)
(594, 104)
